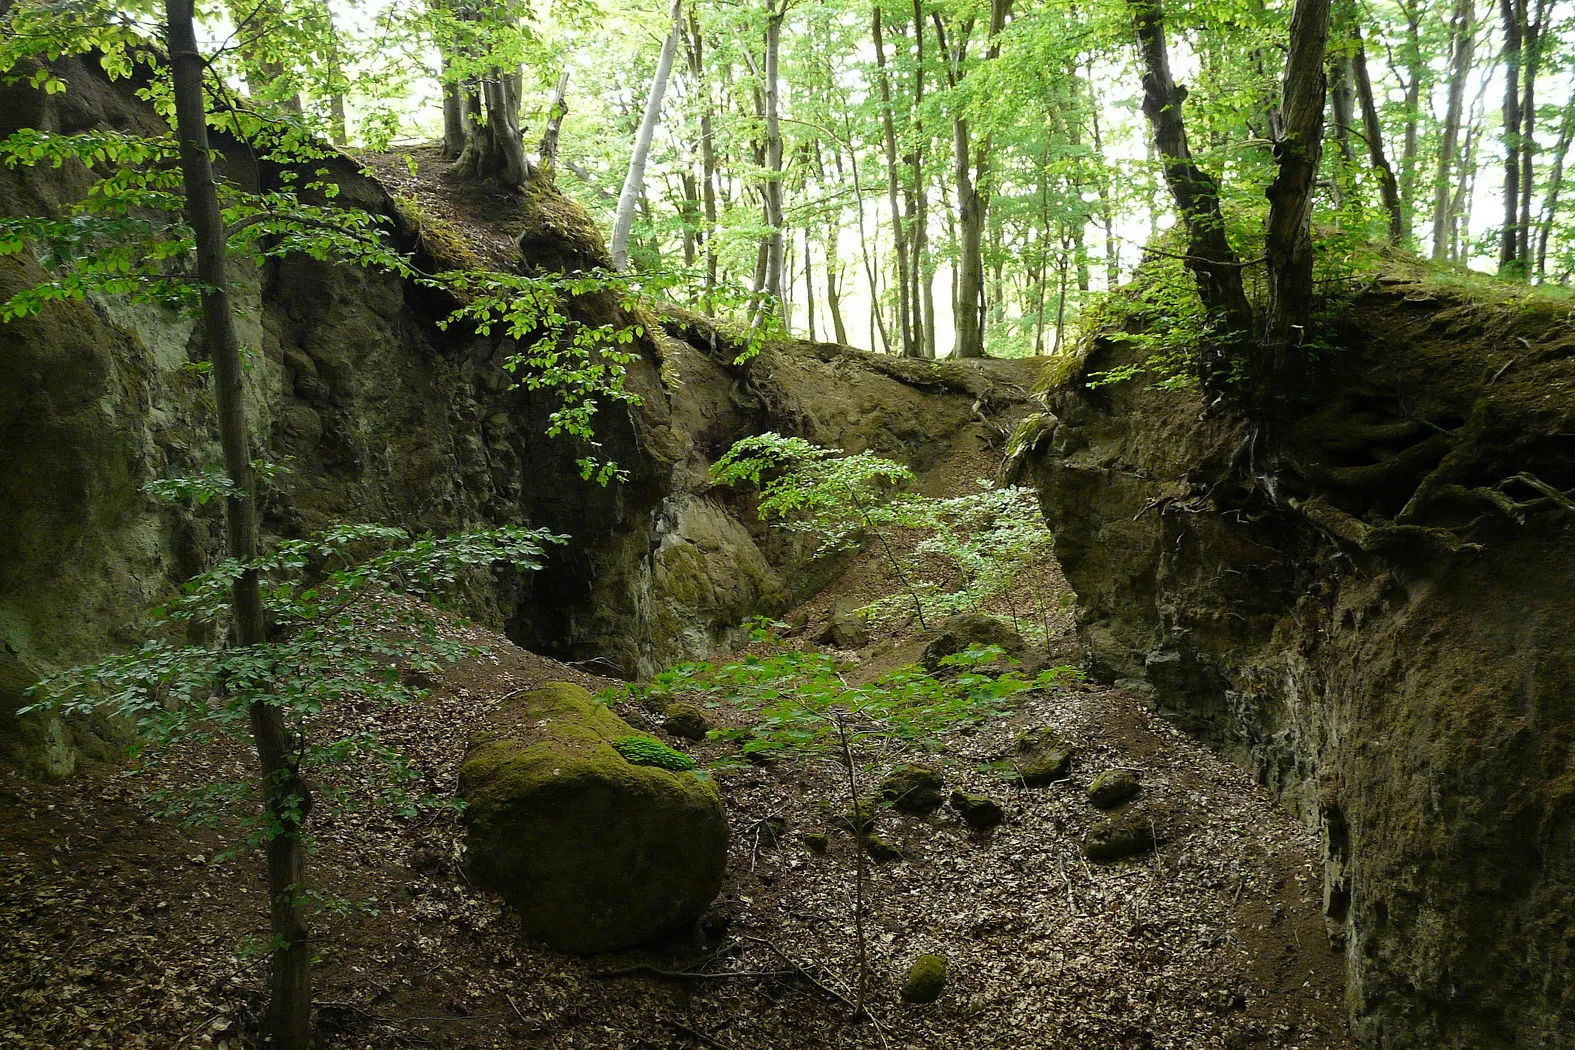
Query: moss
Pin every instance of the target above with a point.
(1122, 835)
(879, 847)
(594, 852)
(1113, 787)
(926, 980)
(1043, 757)
(817, 842)
(977, 811)
(686, 720)
(912, 789)
(648, 751)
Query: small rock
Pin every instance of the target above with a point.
(878, 847)
(817, 842)
(912, 789)
(977, 811)
(1120, 835)
(1043, 757)
(926, 979)
(959, 633)
(848, 627)
(1113, 787)
(768, 832)
(687, 721)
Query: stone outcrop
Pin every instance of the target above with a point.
(599, 838)
(1374, 608)
(380, 415)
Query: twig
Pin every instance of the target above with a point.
(693, 1033)
(804, 973)
(515, 1007)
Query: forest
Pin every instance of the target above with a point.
(755, 523)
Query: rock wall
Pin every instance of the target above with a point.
(379, 415)
(1350, 609)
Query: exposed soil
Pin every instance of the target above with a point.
(124, 929)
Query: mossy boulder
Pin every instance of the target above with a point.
(595, 852)
(1113, 787)
(968, 630)
(1123, 834)
(912, 789)
(1043, 757)
(848, 627)
(687, 721)
(926, 979)
(879, 847)
(977, 811)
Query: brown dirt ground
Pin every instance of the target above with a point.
(125, 929)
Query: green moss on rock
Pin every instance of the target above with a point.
(1113, 787)
(912, 789)
(649, 751)
(1121, 835)
(968, 630)
(595, 853)
(977, 811)
(1043, 757)
(879, 847)
(686, 720)
(926, 980)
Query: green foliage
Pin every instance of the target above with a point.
(797, 701)
(350, 623)
(649, 751)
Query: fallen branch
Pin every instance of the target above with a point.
(694, 1033)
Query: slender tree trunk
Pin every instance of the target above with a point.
(1550, 200)
(809, 286)
(1342, 106)
(1373, 134)
(1513, 13)
(286, 802)
(1528, 134)
(1215, 267)
(557, 109)
(1106, 206)
(1288, 243)
(1416, 73)
(338, 130)
(707, 152)
(453, 115)
(1463, 42)
(889, 143)
(923, 265)
(634, 181)
(774, 209)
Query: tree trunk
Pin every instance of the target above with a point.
(889, 143)
(453, 114)
(634, 181)
(557, 109)
(1373, 133)
(707, 151)
(1528, 134)
(1288, 243)
(1342, 106)
(338, 130)
(774, 218)
(1550, 198)
(923, 265)
(1416, 70)
(1463, 42)
(1513, 13)
(285, 800)
(1214, 265)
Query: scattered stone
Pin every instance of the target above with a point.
(912, 789)
(1120, 835)
(817, 842)
(687, 721)
(1113, 787)
(926, 979)
(594, 852)
(977, 811)
(848, 627)
(878, 847)
(1043, 757)
(965, 630)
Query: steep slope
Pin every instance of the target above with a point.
(377, 414)
(1376, 612)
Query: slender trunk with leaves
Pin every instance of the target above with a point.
(889, 144)
(634, 180)
(285, 799)
(1462, 49)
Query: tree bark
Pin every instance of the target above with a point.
(557, 109)
(285, 799)
(1215, 267)
(1298, 147)
(1463, 42)
(696, 60)
(889, 143)
(774, 208)
(1550, 199)
(1513, 13)
(634, 181)
(1416, 72)
(1373, 134)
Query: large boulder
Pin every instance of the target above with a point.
(959, 633)
(598, 837)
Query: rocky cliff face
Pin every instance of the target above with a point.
(1376, 611)
(378, 415)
